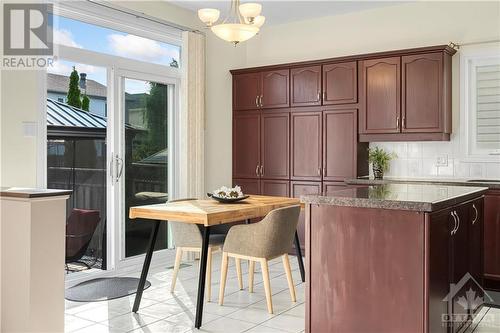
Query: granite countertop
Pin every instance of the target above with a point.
(490, 183)
(414, 197)
(28, 193)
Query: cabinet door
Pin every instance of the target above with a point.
(246, 145)
(302, 188)
(275, 89)
(329, 187)
(380, 95)
(440, 224)
(278, 188)
(421, 100)
(306, 145)
(275, 145)
(492, 235)
(339, 144)
(475, 247)
(460, 266)
(340, 83)
(248, 186)
(306, 86)
(246, 90)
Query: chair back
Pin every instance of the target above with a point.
(278, 231)
(80, 228)
(185, 234)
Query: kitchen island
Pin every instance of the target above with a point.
(393, 258)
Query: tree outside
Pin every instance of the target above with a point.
(74, 90)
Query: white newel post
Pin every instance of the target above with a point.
(33, 227)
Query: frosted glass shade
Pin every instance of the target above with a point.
(208, 15)
(235, 32)
(258, 21)
(250, 9)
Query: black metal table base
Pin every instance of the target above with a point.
(298, 251)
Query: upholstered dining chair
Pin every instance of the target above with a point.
(188, 238)
(260, 242)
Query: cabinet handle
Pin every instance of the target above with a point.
(477, 214)
(257, 170)
(319, 171)
(319, 96)
(257, 101)
(397, 122)
(324, 95)
(403, 124)
(261, 170)
(324, 171)
(260, 100)
(458, 218)
(454, 224)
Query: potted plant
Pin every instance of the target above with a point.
(380, 160)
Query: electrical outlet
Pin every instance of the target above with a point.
(442, 160)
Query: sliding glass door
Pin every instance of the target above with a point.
(143, 165)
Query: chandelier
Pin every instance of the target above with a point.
(241, 23)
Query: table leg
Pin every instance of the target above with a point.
(299, 257)
(201, 278)
(247, 221)
(145, 266)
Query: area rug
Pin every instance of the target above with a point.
(103, 289)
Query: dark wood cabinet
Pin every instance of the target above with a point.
(279, 188)
(246, 91)
(275, 145)
(421, 99)
(299, 188)
(492, 238)
(475, 249)
(248, 186)
(340, 83)
(275, 89)
(246, 144)
(306, 142)
(340, 145)
(380, 89)
(305, 86)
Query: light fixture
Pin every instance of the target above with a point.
(241, 23)
(208, 15)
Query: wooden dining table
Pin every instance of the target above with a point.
(206, 213)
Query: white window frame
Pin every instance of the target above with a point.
(93, 14)
(471, 56)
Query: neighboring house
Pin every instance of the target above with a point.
(57, 89)
(136, 111)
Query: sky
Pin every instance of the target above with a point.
(95, 38)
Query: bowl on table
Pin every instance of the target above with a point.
(228, 195)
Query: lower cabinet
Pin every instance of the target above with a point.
(299, 188)
(492, 239)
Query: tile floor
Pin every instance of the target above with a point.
(162, 311)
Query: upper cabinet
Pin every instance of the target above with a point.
(275, 89)
(340, 83)
(381, 95)
(421, 103)
(305, 86)
(246, 91)
(406, 98)
(261, 90)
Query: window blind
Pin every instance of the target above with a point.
(488, 106)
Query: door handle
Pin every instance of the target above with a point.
(120, 163)
(257, 170)
(261, 170)
(260, 100)
(477, 214)
(454, 224)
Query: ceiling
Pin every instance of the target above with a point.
(284, 11)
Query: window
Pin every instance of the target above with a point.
(480, 102)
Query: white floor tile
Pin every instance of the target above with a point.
(227, 325)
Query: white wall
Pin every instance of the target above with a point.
(390, 28)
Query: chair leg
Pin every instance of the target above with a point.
(251, 269)
(223, 276)
(288, 271)
(238, 273)
(177, 265)
(267, 284)
(208, 284)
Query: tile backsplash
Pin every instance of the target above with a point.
(434, 159)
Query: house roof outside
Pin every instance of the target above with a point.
(60, 83)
